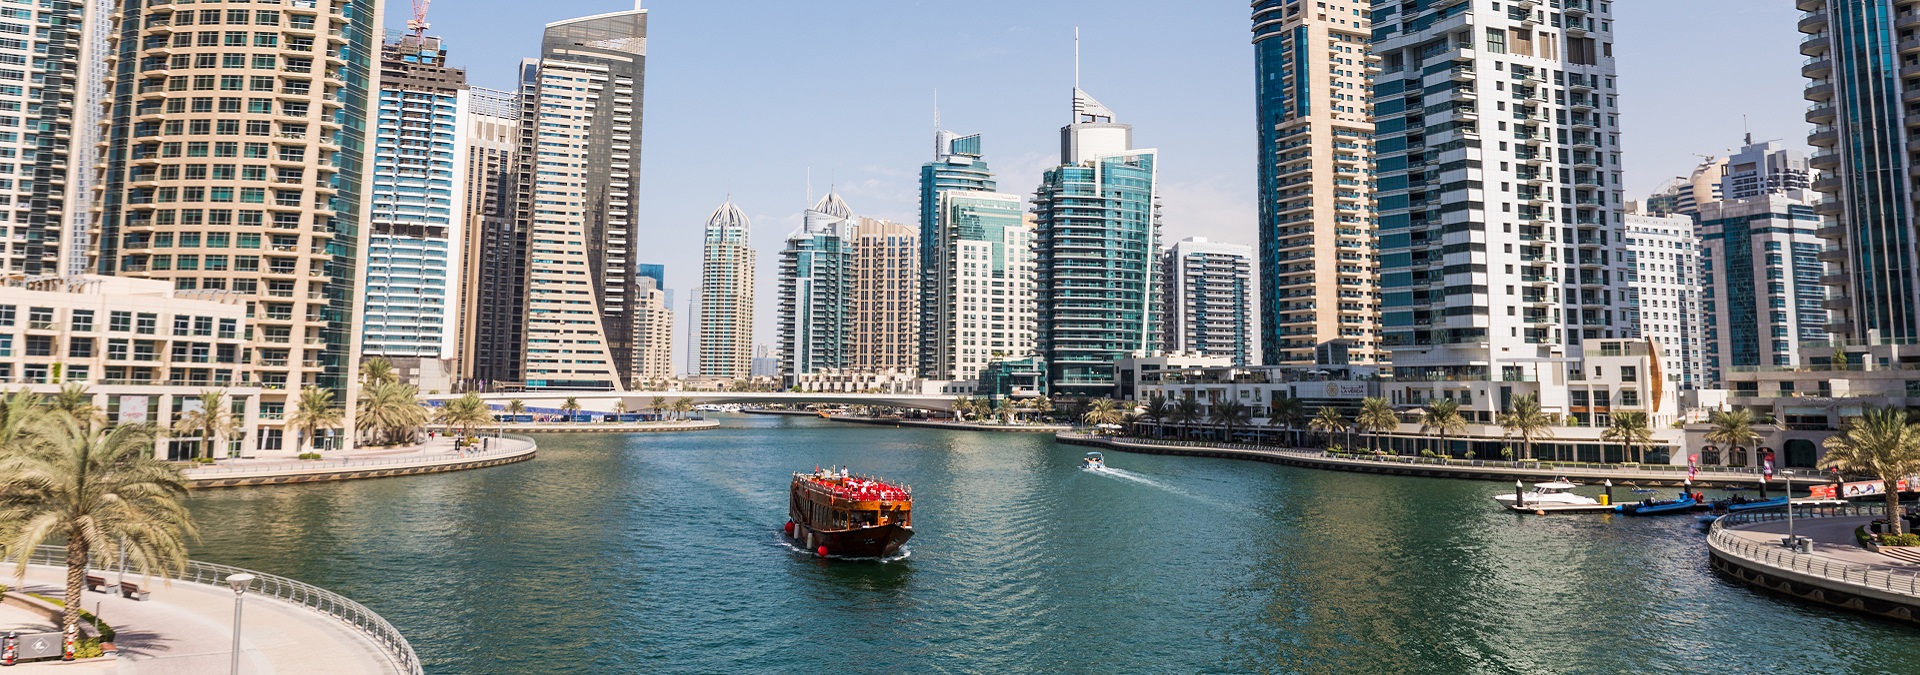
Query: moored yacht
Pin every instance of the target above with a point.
(1551, 492)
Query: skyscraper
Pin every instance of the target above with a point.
(653, 336)
(493, 290)
(1208, 305)
(1499, 198)
(90, 113)
(235, 162)
(983, 266)
(416, 223)
(1766, 168)
(580, 174)
(956, 165)
(883, 299)
(1319, 281)
(40, 74)
(1686, 195)
(815, 283)
(1762, 290)
(1857, 55)
(1097, 240)
(1663, 294)
(726, 295)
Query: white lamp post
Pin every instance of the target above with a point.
(1791, 541)
(239, 583)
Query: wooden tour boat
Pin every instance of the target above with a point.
(832, 513)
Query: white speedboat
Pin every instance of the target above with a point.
(1550, 492)
(1093, 460)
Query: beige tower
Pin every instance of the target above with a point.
(489, 326)
(652, 338)
(726, 295)
(885, 304)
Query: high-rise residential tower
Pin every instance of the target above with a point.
(42, 88)
(1208, 305)
(493, 290)
(956, 165)
(1858, 57)
(1499, 197)
(1319, 297)
(1662, 269)
(1766, 168)
(983, 266)
(1096, 244)
(235, 161)
(883, 301)
(85, 153)
(652, 337)
(726, 295)
(416, 224)
(815, 285)
(1761, 279)
(1688, 194)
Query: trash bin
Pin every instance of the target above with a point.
(1803, 545)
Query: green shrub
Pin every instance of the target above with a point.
(203, 460)
(1908, 539)
(309, 455)
(88, 648)
(1861, 537)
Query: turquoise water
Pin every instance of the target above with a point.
(659, 553)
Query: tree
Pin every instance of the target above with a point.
(1187, 412)
(93, 488)
(1328, 421)
(211, 422)
(377, 371)
(77, 403)
(619, 409)
(314, 412)
(1882, 442)
(1103, 411)
(517, 407)
(571, 407)
(390, 412)
(1377, 417)
(20, 413)
(1004, 408)
(1840, 360)
(466, 413)
(1526, 421)
(1442, 417)
(682, 406)
(1288, 412)
(1733, 429)
(1230, 414)
(1630, 430)
(1042, 406)
(1157, 410)
(658, 405)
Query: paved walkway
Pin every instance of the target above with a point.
(186, 629)
(1832, 538)
(437, 454)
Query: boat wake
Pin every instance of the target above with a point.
(1126, 475)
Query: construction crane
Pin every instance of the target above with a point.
(418, 24)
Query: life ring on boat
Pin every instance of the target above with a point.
(822, 550)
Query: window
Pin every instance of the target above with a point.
(147, 324)
(83, 320)
(6, 315)
(120, 322)
(117, 350)
(39, 345)
(1496, 41)
(40, 318)
(80, 348)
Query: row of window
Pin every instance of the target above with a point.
(143, 323)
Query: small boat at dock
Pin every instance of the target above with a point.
(1659, 507)
(1557, 492)
(1738, 504)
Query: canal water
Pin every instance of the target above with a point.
(659, 553)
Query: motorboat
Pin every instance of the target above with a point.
(1660, 507)
(1738, 504)
(1093, 460)
(1558, 491)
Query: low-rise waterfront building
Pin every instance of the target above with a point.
(145, 351)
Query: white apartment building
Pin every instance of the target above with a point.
(1662, 270)
(1207, 303)
(983, 281)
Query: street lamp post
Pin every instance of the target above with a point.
(239, 583)
(1791, 541)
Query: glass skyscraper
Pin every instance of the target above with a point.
(815, 286)
(956, 165)
(1096, 250)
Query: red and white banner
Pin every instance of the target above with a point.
(1865, 488)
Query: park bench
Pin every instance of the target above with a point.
(97, 583)
(132, 590)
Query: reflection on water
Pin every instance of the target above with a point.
(661, 553)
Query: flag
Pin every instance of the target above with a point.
(1693, 468)
(1766, 466)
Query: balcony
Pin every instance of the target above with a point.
(1814, 21)
(1827, 185)
(1815, 44)
(1824, 160)
(1821, 66)
(1824, 137)
(1822, 91)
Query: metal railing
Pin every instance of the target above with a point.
(1665, 470)
(308, 464)
(1894, 579)
(301, 594)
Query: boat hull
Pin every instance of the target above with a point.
(879, 541)
(1757, 504)
(1680, 506)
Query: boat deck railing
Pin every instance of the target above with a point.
(1891, 579)
(299, 593)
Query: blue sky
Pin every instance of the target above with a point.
(744, 97)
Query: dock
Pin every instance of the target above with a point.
(1564, 508)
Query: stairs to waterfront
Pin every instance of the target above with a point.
(1903, 554)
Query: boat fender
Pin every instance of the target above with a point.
(789, 528)
(822, 551)
(1539, 512)
(1700, 496)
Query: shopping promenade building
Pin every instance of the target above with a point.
(235, 162)
(1096, 249)
(1319, 281)
(725, 296)
(1208, 299)
(579, 180)
(416, 224)
(1499, 199)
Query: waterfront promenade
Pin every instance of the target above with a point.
(954, 426)
(436, 455)
(1475, 469)
(186, 628)
(1838, 571)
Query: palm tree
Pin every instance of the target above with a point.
(1442, 417)
(390, 411)
(1288, 412)
(314, 412)
(97, 489)
(1882, 442)
(571, 407)
(1732, 429)
(1230, 414)
(1042, 406)
(77, 403)
(377, 371)
(1103, 411)
(682, 406)
(1004, 408)
(517, 407)
(964, 407)
(211, 422)
(1328, 421)
(465, 413)
(20, 411)
(1377, 417)
(1187, 412)
(1630, 430)
(619, 409)
(1526, 421)
(658, 405)
(1157, 410)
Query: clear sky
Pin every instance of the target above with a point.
(744, 97)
